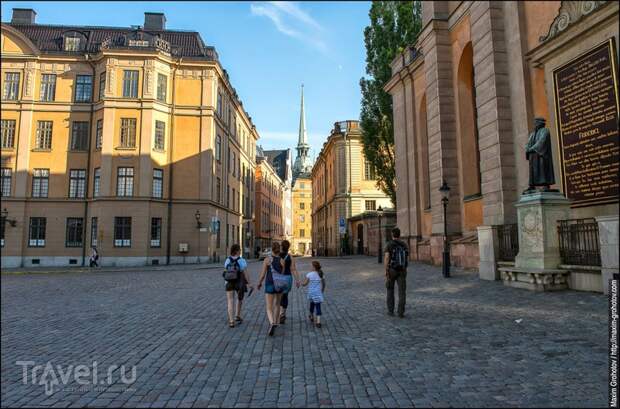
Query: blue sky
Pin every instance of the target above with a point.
(268, 48)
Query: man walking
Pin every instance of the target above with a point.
(395, 261)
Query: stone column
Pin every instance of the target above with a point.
(441, 119)
(488, 246)
(400, 156)
(608, 238)
(491, 72)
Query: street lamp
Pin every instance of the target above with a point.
(445, 194)
(379, 254)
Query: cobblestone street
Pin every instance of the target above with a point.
(463, 342)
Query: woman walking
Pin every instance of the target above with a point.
(290, 268)
(276, 284)
(236, 282)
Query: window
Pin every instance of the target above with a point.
(5, 185)
(48, 87)
(162, 85)
(101, 85)
(302, 233)
(122, 232)
(302, 205)
(72, 43)
(83, 88)
(218, 148)
(40, 182)
(156, 232)
(234, 163)
(96, 182)
(11, 86)
(94, 227)
(302, 185)
(44, 135)
(124, 182)
(99, 134)
(2, 227)
(8, 133)
(128, 132)
(130, 84)
(218, 237)
(75, 226)
(36, 232)
(79, 136)
(234, 198)
(160, 135)
(158, 183)
(369, 171)
(371, 204)
(218, 188)
(228, 196)
(77, 183)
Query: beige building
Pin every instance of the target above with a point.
(269, 212)
(465, 96)
(302, 215)
(343, 185)
(132, 140)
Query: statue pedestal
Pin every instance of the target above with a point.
(536, 265)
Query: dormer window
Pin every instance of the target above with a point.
(74, 41)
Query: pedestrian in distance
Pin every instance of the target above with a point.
(94, 257)
(237, 282)
(276, 284)
(315, 280)
(289, 268)
(395, 261)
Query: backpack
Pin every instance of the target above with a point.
(398, 257)
(232, 270)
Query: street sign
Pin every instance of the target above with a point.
(341, 226)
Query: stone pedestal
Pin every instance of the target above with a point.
(608, 239)
(488, 248)
(536, 265)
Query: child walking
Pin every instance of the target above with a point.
(315, 281)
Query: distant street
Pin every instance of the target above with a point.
(463, 342)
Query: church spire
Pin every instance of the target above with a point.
(302, 139)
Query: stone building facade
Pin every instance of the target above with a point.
(132, 140)
(269, 212)
(343, 185)
(302, 215)
(465, 96)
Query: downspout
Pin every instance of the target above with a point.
(88, 160)
(170, 165)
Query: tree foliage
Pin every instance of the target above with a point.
(393, 26)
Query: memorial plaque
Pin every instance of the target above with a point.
(586, 99)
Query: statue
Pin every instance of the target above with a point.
(538, 153)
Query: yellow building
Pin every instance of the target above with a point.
(302, 215)
(128, 139)
(344, 185)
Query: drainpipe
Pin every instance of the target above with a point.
(88, 160)
(170, 165)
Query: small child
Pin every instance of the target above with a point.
(316, 286)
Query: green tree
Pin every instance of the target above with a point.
(394, 25)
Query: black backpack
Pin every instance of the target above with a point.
(232, 270)
(399, 257)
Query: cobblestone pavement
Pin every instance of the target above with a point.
(463, 342)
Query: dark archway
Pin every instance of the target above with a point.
(360, 238)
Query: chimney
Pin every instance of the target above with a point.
(154, 21)
(23, 16)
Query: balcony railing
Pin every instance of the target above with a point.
(508, 235)
(579, 242)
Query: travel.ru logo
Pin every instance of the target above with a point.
(53, 376)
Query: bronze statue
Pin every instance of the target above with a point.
(538, 153)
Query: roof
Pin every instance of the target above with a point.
(278, 159)
(49, 38)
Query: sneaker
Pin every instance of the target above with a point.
(311, 318)
(272, 330)
(238, 319)
(231, 324)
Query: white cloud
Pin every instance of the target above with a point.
(286, 15)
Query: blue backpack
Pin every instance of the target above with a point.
(281, 282)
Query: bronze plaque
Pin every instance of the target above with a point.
(586, 99)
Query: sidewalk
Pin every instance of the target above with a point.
(86, 269)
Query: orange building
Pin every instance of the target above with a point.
(130, 140)
(269, 213)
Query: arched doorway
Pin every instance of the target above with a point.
(360, 239)
(469, 157)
